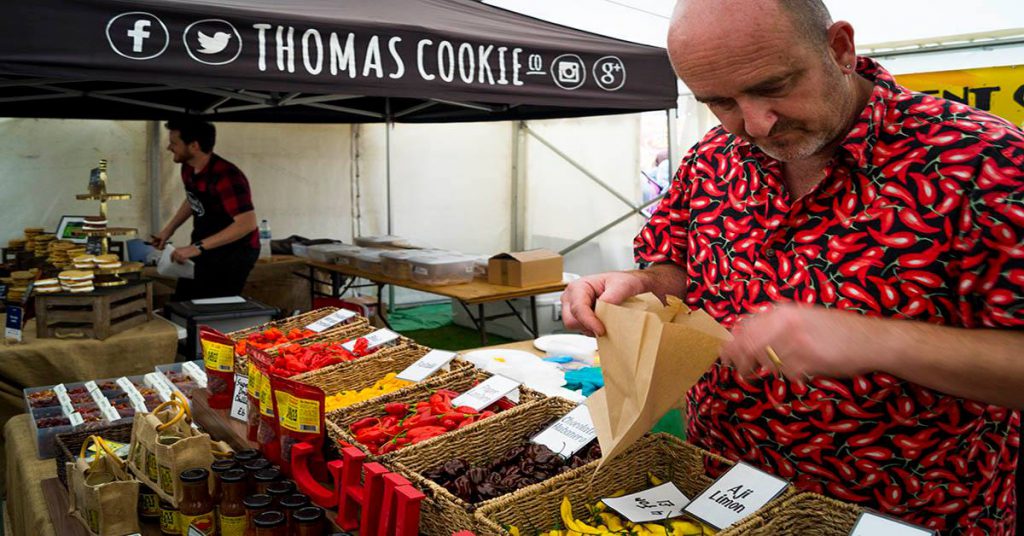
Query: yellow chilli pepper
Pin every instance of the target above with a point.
(385, 385)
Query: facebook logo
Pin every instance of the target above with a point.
(137, 35)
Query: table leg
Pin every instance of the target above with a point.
(380, 305)
(482, 324)
(335, 285)
(312, 286)
(533, 316)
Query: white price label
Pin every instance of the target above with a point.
(91, 386)
(570, 433)
(196, 372)
(60, 389)
(97, 395)
(426, 365)
(64, 399)
(738, 493)
(331, 320)
(373, 340)
(110, 412)
(157, 381)
(138, 401)
(656, 504)
(125, 384)
(240, 402)
(76, 418)
(486, 393)
(870, 523)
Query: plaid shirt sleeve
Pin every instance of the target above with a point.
(233, 190)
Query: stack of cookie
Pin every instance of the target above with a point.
(16, 244)
(95, 223)
(58, 255)
(107, 262)
(41, 244)
(77, 281)
(84, 262)
(47, 286)
(20, 281)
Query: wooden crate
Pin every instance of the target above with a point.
(96, 315)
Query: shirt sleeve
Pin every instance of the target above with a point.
(664, 236)
(234, 192)
(991, 232)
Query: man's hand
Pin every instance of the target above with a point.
(181, 255)
(160, 239)
(809, 341)
(580, 298)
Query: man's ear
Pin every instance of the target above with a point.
(841, 46)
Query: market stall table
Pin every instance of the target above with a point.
(36, 362)
(477, 292)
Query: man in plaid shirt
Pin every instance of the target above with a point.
(225, 241)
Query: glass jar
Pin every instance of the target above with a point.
(243, 457)
(271, 523)
(196, 506)
(170, 522)
(255, 465)
(289, 504)
(231, 513)
(217, 468)
(149, 503)
(263, 478)
(255, 505)
(308, 521)
(279, 490)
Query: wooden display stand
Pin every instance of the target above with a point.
(97, 315)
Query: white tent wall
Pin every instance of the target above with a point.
(45, 163)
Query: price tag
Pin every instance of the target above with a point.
(870, 523)
(156, 381)
(240, 402)
(197, 373)
(331, 320)
(138, 401)
(110, 412)
(375, 339)
(570, 433)
(656, 504)
(486, 393)
(97, 395)
(76, 418)
(738, 493)
(14, 322)
(426, 365)
(62, 397)
(91, 386)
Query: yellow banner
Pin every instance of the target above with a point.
(997, 90)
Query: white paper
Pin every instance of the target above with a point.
(569, 434)
(240, 400)
(739, 493)
(156, 381)
(168, 268)
(331, 320)
(76, 418)
(110, 412)
(91, 386)
(138, 401)
(872, 524)
(219, 301)
(196, 372)
(486, 393)
(655, 504)
(426, 365)
(375, 339)
(62, 397)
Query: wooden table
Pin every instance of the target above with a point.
(477, 293)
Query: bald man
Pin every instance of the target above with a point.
(863, 244)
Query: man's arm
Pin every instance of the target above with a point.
(978, 364)
(181, 216)
(242, 225)
(580, 297)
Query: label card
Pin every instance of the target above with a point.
(138, 401)
(196, 372)
(62, 397)
(91, 387)
(656, 504)
(375, 339)
(156, 381)
(426, 365)
(870, 523)
(738, 493)
(14, 323)
(331, 320)
(110, 412)
(486, 393)
(76, 418)
(570, 433)
(240, 402)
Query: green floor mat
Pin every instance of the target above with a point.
(671, 423)
(420, 317)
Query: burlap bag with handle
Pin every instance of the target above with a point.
(164, 444)
(102, 495)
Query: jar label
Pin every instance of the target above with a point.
(149, 504)
(232, 526)
(203, 523)
(166, 480)
(151, 466)
(169, 522)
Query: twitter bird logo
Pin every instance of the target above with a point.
(215, 44)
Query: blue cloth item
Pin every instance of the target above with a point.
(559, 359)
(587, 379)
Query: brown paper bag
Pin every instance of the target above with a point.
(651, 354)
(164, 444)
(101, 494)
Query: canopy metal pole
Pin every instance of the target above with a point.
(674, 157)
(387, 166)
(153, 172)
(515, 242)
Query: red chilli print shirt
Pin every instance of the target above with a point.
(920, 216)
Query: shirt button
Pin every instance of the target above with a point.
(770, 253)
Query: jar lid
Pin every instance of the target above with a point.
(247, 455)
(220, 466)
(295, 500)
(233, 475)
(308, 514)
(269, 520)
(281, 487)
(257, 501)
(195, 475)
(256, 465)
(267, 475)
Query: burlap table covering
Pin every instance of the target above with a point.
(25, 471)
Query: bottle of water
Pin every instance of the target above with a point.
(264, 239)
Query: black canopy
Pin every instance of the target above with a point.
(314, 61)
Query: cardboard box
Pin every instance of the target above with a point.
(525, 268)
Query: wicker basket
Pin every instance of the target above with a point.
(338, 421)
(363, 373)
(807, 514)
(298, 322)
(536, 508)
(441, 511)
(70, 444)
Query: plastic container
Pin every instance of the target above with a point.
(442, 269)
(386, 241)
(329, 252)
(183, 379)
(300, 250)
(395, 263)
(348, 257)
(480, 266)
(369, 261)
(265, 239)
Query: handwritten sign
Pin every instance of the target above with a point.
(738, 493)
(373, 340)
(656, 504)
(331, 320)
(486, 393)
(426, 365)
(870, 523)
(569, 434)
(240, 401)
